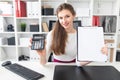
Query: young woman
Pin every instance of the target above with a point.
(62, 39)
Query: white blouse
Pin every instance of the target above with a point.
(70, 50)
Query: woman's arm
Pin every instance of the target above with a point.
(82, 63)
(85, 63)
(41, 53)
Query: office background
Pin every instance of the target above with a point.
(20, 19)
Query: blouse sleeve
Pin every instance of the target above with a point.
(48, 45)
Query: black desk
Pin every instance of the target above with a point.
(86, 73)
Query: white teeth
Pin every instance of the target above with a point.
(65, 24)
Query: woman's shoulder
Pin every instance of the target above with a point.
(49, 35)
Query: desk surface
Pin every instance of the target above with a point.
(47, 70)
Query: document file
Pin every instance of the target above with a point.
(90, 41)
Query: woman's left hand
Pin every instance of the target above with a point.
(104, 50)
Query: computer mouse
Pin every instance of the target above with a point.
(6, 63)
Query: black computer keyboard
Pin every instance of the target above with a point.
(24, 72)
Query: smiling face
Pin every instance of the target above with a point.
(66, 18)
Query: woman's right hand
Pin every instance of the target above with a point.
(40, 52)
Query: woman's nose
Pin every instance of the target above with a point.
(64, 20)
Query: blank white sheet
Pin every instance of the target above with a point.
(90, 42)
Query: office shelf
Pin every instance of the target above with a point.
(85, 11)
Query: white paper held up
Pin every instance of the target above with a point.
(90, 41)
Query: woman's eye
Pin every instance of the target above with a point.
(60, 17)
(67, 16)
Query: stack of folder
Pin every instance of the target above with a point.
(20, 8)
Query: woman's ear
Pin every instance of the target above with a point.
(74, 15)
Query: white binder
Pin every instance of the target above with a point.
(34, 56)
(6, 9)
(33, 9)
(3, 55)
(1, 24)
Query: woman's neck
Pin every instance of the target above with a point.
(70, 30)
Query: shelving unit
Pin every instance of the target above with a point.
(118, 42)
(85, 12)
(109, 9)
(9, 50)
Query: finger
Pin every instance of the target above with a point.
(102, 50)
(106, 41)
(30, 40)
(29, 45)
(45, 42)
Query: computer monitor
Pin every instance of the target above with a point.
(76, 23)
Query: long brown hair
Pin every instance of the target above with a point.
(59, 33)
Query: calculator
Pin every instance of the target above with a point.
(38, 41)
